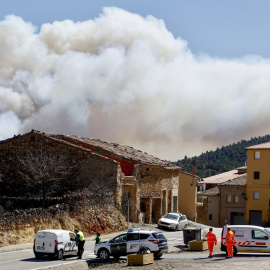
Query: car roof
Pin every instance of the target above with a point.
(243, 226)
(54, 231)
(142, 232)
(176, 214)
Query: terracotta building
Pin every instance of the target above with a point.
(144, 187)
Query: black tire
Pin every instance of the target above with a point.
(116, 258)
(38, 256)
(60, 254)
(145, 250)
(157, 255)
(234, 250)
(104, 254)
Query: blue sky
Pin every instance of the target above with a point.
(218, 28)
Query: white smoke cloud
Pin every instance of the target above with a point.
(126, 79)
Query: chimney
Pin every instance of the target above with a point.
(193, 167)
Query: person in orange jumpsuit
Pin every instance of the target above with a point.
(211, 241)
(229, 242)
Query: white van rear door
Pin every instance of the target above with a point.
(50, 244)
(40, 242)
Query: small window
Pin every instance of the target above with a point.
(257, 155)
(210, 216)
(228, 198)
(236, 198)
(256, 234)
(256, 175)
(256, 195)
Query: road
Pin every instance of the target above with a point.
(24, 259)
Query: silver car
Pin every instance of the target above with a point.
(173, 221)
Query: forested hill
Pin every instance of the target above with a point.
(222, 159)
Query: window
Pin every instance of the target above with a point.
(236, 198)
(228, 198)
(257, 155)
(120, 238)
(256, 195)
(256, 175)
(259, 235)
(210, 217)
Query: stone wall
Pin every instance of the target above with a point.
(20, 226)
(87, 168)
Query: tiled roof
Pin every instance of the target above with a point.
(238, 181)
(122, 151)
(222, 177)
(211, 192)
(259, 146)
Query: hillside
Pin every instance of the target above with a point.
(222, 159)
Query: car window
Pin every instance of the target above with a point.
(71, 237)
(256, 234)
(120, 238)
(170, 216)
(183, 217)
(133, 236)
(137, 236)
(159, 235)
(144, 235)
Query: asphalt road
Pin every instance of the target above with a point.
(24, 259)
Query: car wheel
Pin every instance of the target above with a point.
(158, 255)
(60, 254)
(116, 258)
(38, 256)
(104, 254)
(145, 250)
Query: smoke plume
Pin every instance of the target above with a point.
(126, 79)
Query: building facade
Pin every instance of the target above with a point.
(143, 187)
(258, 184)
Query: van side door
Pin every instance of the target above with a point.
(70, 246)
(259, 241)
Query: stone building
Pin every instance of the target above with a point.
(143, 186)
(225, 203)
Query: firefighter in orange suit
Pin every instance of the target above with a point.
(211, 241)
(229, 242)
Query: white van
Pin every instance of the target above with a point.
(55, 243)
(248, 238)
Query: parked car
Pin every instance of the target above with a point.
(248, 238)
(174, 221)
(133, 241)
(55, 243)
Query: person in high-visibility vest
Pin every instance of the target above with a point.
(211, 241)
(80, 240)
(229, 242)
(98, 238)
